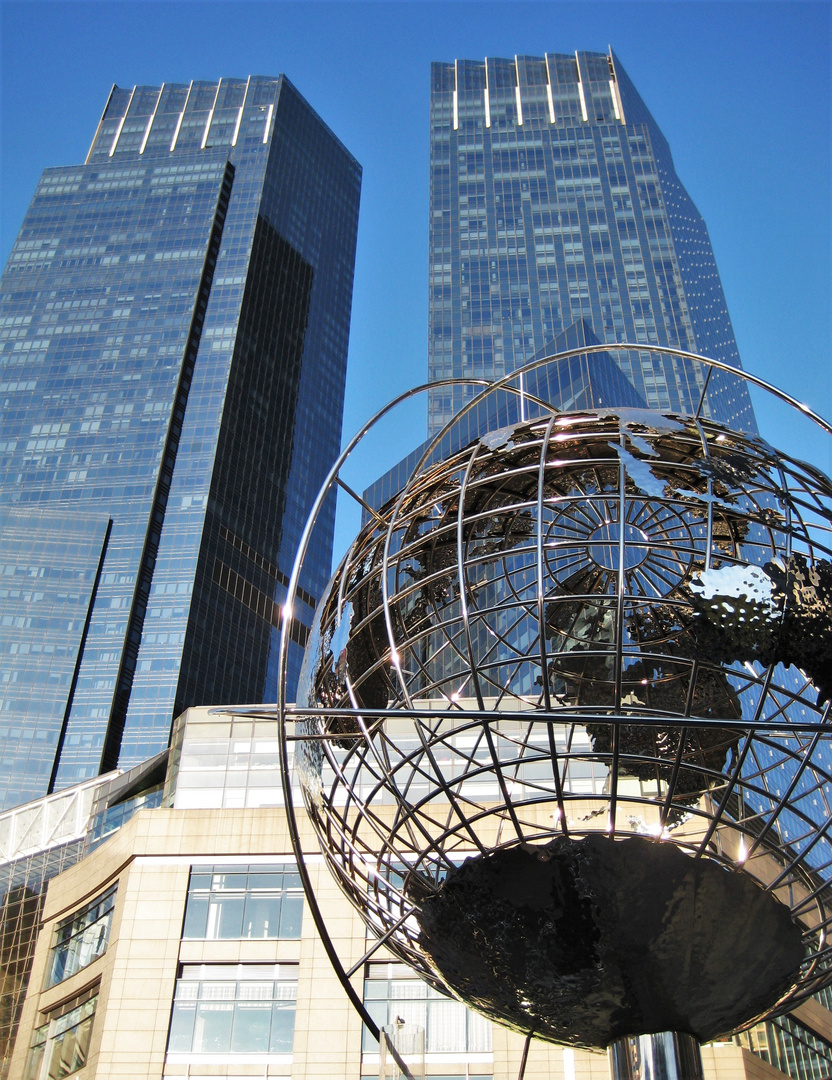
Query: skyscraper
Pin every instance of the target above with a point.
(555, 210)
(174, 318)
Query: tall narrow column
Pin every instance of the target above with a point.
(665, 1055)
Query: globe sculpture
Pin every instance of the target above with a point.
(562, 728)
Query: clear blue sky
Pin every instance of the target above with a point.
(741, 89)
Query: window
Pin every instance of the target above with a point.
(234, 1009)
(81, 938)
(790, 1047)
(61, 1046)
(392, 991)
(244, 902)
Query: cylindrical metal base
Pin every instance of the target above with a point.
(665, 1055)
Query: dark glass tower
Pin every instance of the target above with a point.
(174, 319)
(554, 207)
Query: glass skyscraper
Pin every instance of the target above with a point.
(174, 319)
(557, 220)
(555, 208)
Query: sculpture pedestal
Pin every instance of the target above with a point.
(665, 1055)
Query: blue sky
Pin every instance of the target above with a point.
(741, 89)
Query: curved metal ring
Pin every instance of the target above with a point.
(504, 383)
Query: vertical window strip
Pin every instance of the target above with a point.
(486, 96)
(98, 129)
(615, 90)
(268, 122)
(584, 113)
(517, 100)
(121, 123)
(240, 114)
(456, 96)
(150, 120)
(549, 96)
(210, 117)
(181, 118)
(614, 100)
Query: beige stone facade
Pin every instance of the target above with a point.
(150, 860)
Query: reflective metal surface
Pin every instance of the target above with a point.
(665, 1055)
(612, 623)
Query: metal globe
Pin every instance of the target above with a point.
(563, 731)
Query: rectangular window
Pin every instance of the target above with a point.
(81, 938)
(393, 992)
(61, 1046)
(234, 1009)
(256, 901)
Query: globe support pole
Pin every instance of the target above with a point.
(664, 1055)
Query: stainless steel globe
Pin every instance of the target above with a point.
(563, 726)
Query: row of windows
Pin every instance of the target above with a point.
(234, 1009)
(82, 938)
(790, 1047)
(243, 902)
(259, 901)
(634, 181)
(61, 1045)
(250, 1008)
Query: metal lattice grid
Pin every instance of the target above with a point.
(610, 621)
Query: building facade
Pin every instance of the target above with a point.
(174, 320)
(37, 841)
(554, 201)
(181, 947)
